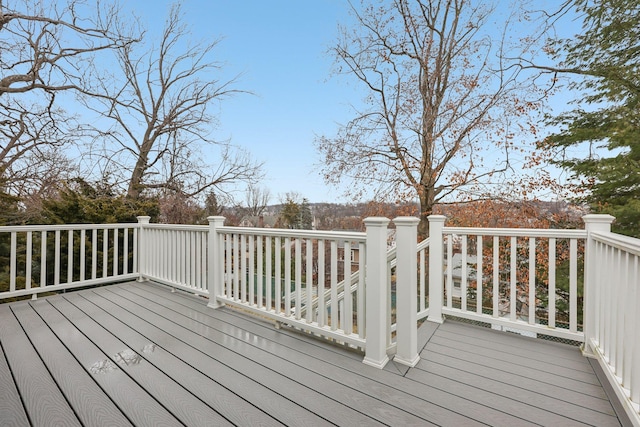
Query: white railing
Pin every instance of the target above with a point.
(53, 258)
(576, 284)
(524, 279)
(279, 273)
(176, 255)
(613, 309)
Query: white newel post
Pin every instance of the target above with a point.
(407, 291)
(436, 274)
(600, 224)
(215, 261)
(376, 300)
(142, 247)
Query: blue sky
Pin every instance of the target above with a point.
(280, 48)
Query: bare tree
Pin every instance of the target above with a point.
(257, 200)
(444, 106)
(161, 115)
(47, 48)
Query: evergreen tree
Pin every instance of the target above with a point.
(607, 53)
(290, 214)
(305, 221)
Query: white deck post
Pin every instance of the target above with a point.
(436, 275)
(142, 247)
(407, 291)
(376, 299)
(215, 261)
(601, 224)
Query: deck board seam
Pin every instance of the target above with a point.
(15, 383)
(242, 373)
(111, 358)
(389, 386)
(333, 398)
(529, 403)
(53, 378)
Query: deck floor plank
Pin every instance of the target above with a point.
(132, 399)
(573, 397)
(183, 405)
(525, 362)
(321, 360)
(438, 405)
(230, 405)
(545, 410)
(232, 351)
(246, 378)
(520, 348)
(193, 365)
(87, 399)
(45, 405)
(11, 409)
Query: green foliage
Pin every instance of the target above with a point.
(81, 203)
(608, 53)
(296, 215)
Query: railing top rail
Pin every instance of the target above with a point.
(624, 243)
(517, 232)
(27, 228)
(392, 253)
(177, 227)
(353, 236)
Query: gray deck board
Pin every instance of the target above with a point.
(192, 365)
(44, 403)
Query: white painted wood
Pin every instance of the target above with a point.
(334, 317)
(422, 286)
(436, 277)
(463, 274)
(260, 271)
(215, 262)
(347, 311)
(309, 281)
(298, 278)
(29, 260)
(496, 277)
(70, 246)
(278, 275)
(450, 271)
(322, 310)
(43, 259)
(115, 251)
(56, 257)
(12, 262)
(513, 282)
(552, 282)
(94, 253)
(532, 281)
(406, 287)
(361, 292)
(136, 252)
(236, 267)
(573, 285)
(127, 255)
(376, 298)
(252, 270)
(268, 273)
(479, 275)
(105, 252)
(287, 276)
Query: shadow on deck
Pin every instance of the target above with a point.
(136, 353)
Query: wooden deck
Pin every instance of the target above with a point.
(138, 354)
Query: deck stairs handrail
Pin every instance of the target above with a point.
(353, 279)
